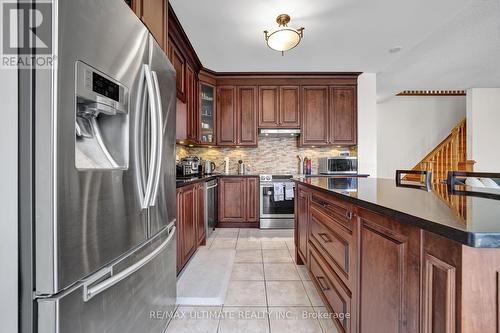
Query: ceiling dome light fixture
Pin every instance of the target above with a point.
(283, 38)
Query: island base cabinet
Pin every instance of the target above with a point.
(389, 275)
(336, 296)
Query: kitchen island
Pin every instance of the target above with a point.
(398, 259)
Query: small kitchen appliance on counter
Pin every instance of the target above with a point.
(189, 166)
(347, 165)
(208, 167)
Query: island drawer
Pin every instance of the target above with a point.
(334, 293)
(340, 210)
(334, 242)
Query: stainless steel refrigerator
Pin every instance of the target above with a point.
(98, 177)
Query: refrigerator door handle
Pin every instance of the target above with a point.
(154, 140)
(159, 110)
(90, 290)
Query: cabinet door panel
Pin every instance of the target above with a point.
(180, 227)
(343, 120)
(302, 221)
(232, 200)
(154, 16)
(314, 115)
(247, 116)
(200, 213)
(252, 199)
(226, 116)
(289, 115)
(389, 275)
(268, 106)
(179, 63)
(189, 218)
(191, 104)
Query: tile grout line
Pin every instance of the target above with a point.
(265, 288)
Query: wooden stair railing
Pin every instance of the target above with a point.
(449, 155)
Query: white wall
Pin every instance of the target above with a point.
(8, 201)
(409, 127)
(367, 124)
(483, 132)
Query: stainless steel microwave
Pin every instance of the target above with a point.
(338, 165)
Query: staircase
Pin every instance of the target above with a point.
(449, 155)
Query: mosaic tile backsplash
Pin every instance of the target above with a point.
(273, 155)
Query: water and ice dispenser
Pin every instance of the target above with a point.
(101, 121)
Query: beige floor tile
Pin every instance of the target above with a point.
(246, 272)
(293, 320)
(291, 245)
(280, 271)
(286, 293)
(251, 256)
(246, 293)
(312, 293)
(303, 272)
(223, 243)
(247, 244)
(244, 320)
(267, 244)
(325, 319)
(276, 256)
(195, 320)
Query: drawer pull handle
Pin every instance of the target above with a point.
(325, 238)
(322, 203)
(348, 214)
(322, 283)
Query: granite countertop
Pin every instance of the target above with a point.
(184, 181)
(477, 226)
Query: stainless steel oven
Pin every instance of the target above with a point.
(276, 208)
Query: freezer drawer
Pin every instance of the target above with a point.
(140, 302)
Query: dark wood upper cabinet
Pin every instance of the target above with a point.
(227, 118)
(343, 115)
(289, 111)
(154, 14)
(314, 115)
(247, 116)
(279, 106)
(268, 106)
(179, 63)
(191, 104)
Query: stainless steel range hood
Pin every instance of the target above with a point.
(279, 132)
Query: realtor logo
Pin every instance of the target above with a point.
(26, 34)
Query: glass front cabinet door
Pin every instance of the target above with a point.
(207, 114)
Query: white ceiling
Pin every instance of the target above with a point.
(455, 39)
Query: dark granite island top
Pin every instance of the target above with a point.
(475, 222)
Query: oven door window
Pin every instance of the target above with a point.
(275, 209)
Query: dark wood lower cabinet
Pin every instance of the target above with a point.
(379, 275)
(389, 275)
(190, 221)
(301, 219)
(238, 202)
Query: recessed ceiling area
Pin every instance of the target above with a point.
(459, 39)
